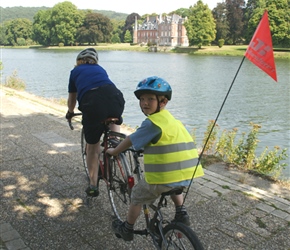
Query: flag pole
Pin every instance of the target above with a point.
(215, 121)
(260, 53)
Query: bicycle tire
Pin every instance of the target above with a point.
(84, 154)
(119, 190)
(135, 171)
(180, 236)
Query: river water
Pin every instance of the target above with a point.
(199, 83)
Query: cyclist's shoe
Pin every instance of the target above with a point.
(92, 192)
(121, 231)
(182, 217)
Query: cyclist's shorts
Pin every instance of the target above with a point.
(144, 193)
(97, 105)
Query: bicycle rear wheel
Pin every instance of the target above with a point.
(84, 154)
(180, 236)
(119, 189)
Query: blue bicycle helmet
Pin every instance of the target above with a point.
(155, 85)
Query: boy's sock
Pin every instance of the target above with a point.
(180, 209)
(93, 187)
(129, 226)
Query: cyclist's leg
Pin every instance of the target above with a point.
(93, 130)
(93, 152)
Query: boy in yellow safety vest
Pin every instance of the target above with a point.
(170, 156)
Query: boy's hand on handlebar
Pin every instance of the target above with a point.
(69, 115)
(110, 151)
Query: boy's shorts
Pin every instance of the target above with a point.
(97, 105)
(144, 193)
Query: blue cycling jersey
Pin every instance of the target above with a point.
(86, 77)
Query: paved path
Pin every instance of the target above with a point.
(42, 192)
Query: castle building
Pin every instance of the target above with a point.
(162, 31)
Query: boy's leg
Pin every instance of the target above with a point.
(181, 214)
(125, 229)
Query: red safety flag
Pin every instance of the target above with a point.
(260, 49)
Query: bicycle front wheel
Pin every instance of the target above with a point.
(119, 189)
(179, 236)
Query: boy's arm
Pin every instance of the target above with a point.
(121, 147)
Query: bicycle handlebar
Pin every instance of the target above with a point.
(69, 121)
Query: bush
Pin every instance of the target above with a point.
(221, 42)
(241, 151)
(14, 82)
(21, 41)
(60, 44)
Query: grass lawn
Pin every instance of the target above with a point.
(226, 50)
(231, 50)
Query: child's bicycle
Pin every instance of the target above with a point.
(114, 171)
(120, 174)
(164, 233)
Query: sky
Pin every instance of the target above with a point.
(123, 6)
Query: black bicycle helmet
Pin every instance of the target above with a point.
(155, 85)
(88, 53)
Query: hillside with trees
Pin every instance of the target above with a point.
(231, 22)
(10, 13)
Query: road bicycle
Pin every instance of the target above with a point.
(114, 171)
(120, 173)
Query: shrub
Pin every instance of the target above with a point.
(242, 151)
(14, 82)
(221, 42)
(21, 41)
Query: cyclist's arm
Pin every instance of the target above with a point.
(71, 101)
(121, 147)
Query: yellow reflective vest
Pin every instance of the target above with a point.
(174, 157)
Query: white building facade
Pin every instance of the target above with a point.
(162, 31)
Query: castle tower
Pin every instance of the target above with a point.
(135, 31)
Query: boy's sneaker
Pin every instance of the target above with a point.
(121, 231)
(92, 192)
(182, 218)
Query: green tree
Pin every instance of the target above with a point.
(235, 16)
(200, 25)
(96, 28)
(128, 37)
(18, 29)
(279, 18)
(115, 39)
(3, 38)
(42, 27)
(117, 30)
(183, 12)
(222, 24)
(251, 7)
(129, 23)
(65, 20)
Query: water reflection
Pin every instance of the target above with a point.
(199, 84)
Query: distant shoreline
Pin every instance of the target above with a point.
(226, 50)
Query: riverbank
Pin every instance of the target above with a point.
(211, 163)
(226, 50)
(43, 199)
